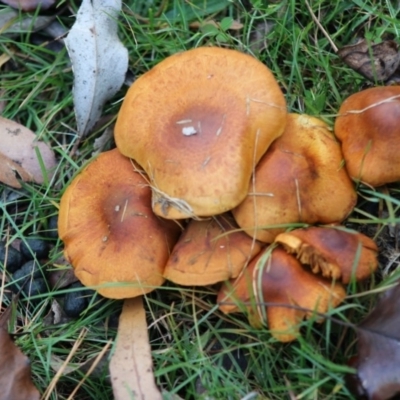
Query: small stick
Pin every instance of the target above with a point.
(335, 48)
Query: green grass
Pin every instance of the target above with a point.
(198, 352)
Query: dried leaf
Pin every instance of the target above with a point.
(378, 359)
(373, 61)
(101, 141)
(29, 5)
(61, 276)
(12, 26)
(18, 155)
(99, 60)
(15, 370)
(11, 172)
(131, 366)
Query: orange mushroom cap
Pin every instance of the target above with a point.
(112, 238)
(197, 123)
(210, 251)
(369, 130)
(298, 180)
(278, 278)
(336, 253)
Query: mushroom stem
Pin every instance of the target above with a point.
(131, 365)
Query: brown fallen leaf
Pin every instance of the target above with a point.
(378, 359)
(374, 61)
(19, 152)
(131, 367)
(15, 370)
(29, 5)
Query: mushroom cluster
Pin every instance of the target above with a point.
(209, 173)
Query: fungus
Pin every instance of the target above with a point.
(112, 238)
(298, 180)
(276, 277)
(210, 251)
(197, 123)
(369, 130)
(332, 251)
(117, 246)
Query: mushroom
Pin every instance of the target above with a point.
(198, 123)
(369, 130)
(113, 240)
(298, 180)
(333, 251)
(210, 251)
(276, 277)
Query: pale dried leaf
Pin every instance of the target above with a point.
(12, 26)
(101, 141)
(99, 59)
(30, 5)
(131, 366)
(3, 59)
(11, 172)
(18, 155)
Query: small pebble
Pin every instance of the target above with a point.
(35, 248)
(35, 287)
(30, 271)
(76, 301)
(52, 227)
(14, 258)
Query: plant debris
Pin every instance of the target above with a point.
(99, 59)
(15, 370)
(22, 156)
(378, 359)
(374, 61)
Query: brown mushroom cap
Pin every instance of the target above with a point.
(197, 123)
(280, 279)
(368, 127)
(299, 179)
(334, 252)
(111, 236)
(210, 251)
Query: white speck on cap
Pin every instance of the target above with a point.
(189, 130)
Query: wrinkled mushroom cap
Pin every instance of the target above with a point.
(336, 253)
(368, 127)
(298, 180)
(210, 251)
(197, 123)
(278, 278)
(112, 238)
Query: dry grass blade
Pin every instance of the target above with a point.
(91, 369)
(57, 376)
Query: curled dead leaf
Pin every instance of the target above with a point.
(22, 156)
(376, 61)
(11, 172)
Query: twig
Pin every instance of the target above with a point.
(335, 48)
